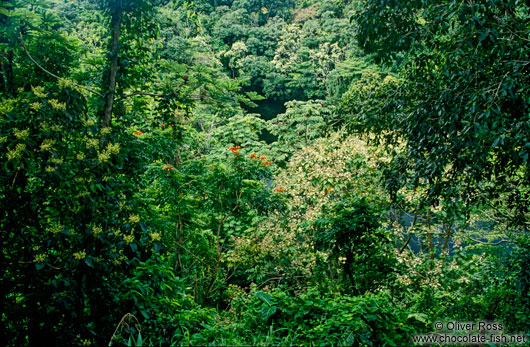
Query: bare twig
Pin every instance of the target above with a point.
(159, 95)
(191, 253)
(15, 179)
(165, 95)
(123, 322)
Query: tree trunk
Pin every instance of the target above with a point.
(448, 228)
(117, 16)
(7, 85)
(429, 235)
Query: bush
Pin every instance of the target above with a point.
(166, 313)
(315, 318)
(351, 233)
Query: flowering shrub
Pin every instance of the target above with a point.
(69, 217)
(282, 248)
(209, 202)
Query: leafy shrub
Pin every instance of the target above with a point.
(68, 217)
(281, 249)
(352, 234)
(315, 318)
(167, 314)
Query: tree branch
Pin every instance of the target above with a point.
(487, 243)
(165, 95)
(410, 232)
(50, 73)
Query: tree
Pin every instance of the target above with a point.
(301, 124)
(133, 18)
(460, 106)
(71, 227)
(352, 230)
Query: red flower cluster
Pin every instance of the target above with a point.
(234, 149)
(168, 167)
(138, 133)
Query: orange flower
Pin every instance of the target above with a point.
(138, 133)
(263, 157)
(279, 189)
(168, 167)
(162, 124)
(234, 149)
(267, 163)
(253, 156)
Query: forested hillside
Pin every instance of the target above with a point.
(263, 172)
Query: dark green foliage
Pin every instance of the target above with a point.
(461, 105)
(72, 230)
(389, 27)
(351, 231)
(300, 125)
(515, 311)
(65, 223)
(158, 298)
(314, 317)
(201, 206)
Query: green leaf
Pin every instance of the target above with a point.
(267, 311)
(254, 96)
(419, 316)
(157, 246)
(89, 261)
(266, 298)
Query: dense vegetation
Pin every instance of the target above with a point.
(262, 172)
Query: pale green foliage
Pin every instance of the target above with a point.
(235, 54)
(318, 175)
(305, 66)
